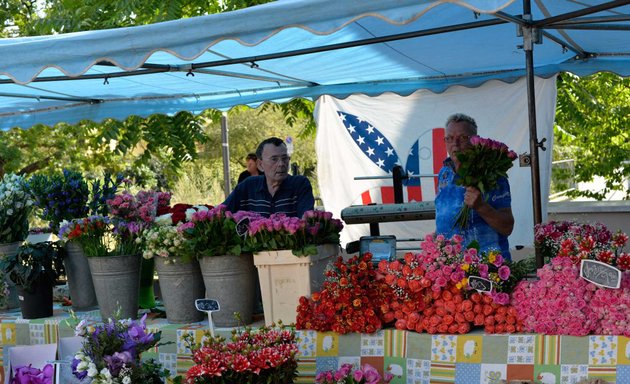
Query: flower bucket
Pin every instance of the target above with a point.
(146, 294)
(284, 278)
(116, 282)
(37, 303)
(229, 280)
(79, 278)
(180, 284)
(11, 301)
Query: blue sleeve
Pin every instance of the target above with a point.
(306, 201)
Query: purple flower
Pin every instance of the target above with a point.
(116, 361)
(504, 272)
(78, 375)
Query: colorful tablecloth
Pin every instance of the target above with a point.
(411, 357)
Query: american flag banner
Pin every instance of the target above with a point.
(363, 136)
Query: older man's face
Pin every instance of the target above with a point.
(275, 162)
(457, 137)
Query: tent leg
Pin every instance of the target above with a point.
(227, 187)
(528, 45)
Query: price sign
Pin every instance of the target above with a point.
(242, 227)
(208, 306)
(480, 284)
(602, 274)
(205, 305)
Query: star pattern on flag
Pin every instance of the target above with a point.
(371, 141)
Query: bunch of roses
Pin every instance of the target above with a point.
(111, 353)
(482, 165)
(321, 227)
(268, 355)
(179, 213)
(612, 308)
(350, 300)
(366, 374)
(213, 232)
(300, 235)
(558, 303)
(582, 241)
(431, 291)
(279, 231)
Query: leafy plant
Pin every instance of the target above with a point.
(33, 262)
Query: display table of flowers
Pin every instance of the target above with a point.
(411, 357)
(415, 320)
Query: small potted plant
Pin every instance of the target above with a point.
(34, 269)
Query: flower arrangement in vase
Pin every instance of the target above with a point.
(16, 203)
(300, 235)
(111, 353)
(347, 374)
(266, 355)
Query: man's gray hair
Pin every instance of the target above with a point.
(460, 117)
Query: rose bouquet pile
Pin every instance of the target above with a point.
(29, 375)
(267, 355)
(111, 353)
(560, 301)
(432, 294)
(350, 300)
(366, 374)
(300, 235)
(481, 166)
(16, 203)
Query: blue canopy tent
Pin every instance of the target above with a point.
(307, 48)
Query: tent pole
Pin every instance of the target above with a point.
(528, 45)
(227, 187)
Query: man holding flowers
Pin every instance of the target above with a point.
(275, 191)
(474, 197)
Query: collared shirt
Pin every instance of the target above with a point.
(450, 199)
(293, 197)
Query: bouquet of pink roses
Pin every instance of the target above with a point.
(481, 166)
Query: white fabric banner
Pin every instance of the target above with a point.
(367, 136)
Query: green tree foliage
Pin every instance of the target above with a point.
(158, 145)
(592, 127)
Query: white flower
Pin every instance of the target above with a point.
(80, 329)
(189, 213)
(9, 212)
(164, 219)
(92, 371)
(126, 380)
(105, 372)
